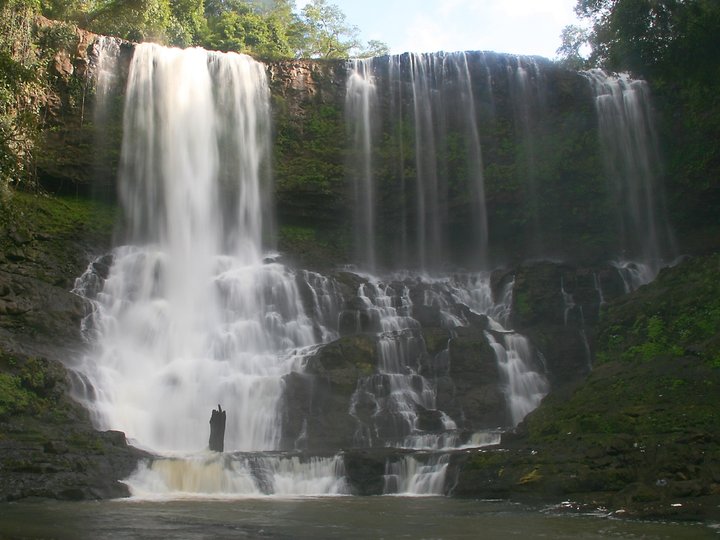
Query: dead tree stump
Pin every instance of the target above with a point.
(217, 430)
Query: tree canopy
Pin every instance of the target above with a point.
(265, 28)
(649, 37)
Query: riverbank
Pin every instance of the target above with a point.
(640, 434)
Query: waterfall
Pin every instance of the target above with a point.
(633, 168)
(222, 475)
(402, 393)
(410, 476)
(433, 114)
(105, 59)
(360, 103)
(189, 315)
(527, 98)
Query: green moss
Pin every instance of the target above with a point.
(13, 397)
(656, 340)
(522, 304)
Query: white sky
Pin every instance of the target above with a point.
(513, 26)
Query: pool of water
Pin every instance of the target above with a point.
(317, 518)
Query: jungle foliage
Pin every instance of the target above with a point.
(269, 29)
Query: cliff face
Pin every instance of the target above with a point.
(538, 165)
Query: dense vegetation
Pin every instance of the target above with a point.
(268, 29)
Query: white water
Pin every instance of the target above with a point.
(190, 316)
(400, 392)
(217, 475)
(411, 476)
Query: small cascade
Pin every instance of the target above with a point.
(402, 394)
(525, 387)
(105, 60)
(598, 288)
(323, 301)
(578, 319)
(416, 475)
(227, 475)
(106, 52)
(568, 301)
(397, 389)
(634, 169)
(635, 274)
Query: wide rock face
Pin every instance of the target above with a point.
(535, 136)
(48, 446)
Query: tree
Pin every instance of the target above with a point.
(135, 20)
(187, 24)
(249, 27)
(374, 48)
(327, 34)
(648, 37)
(573, 39)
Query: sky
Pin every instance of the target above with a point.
(529, 27)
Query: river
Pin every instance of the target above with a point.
(329, 517)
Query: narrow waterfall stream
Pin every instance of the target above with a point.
(633, 167)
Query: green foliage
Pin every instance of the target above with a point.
(684, 318)
(656, 342)
(251, 28)
(573, 38)
(20, 93)
(327, 33)
(267, 29)
(13, 397)
(135, 20)
(187, 23)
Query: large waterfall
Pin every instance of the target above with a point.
(193, 309)
(190, 315)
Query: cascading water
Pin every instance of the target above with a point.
(403, 394)
(189, 314)
(633, 167)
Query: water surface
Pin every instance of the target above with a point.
(331, 517)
